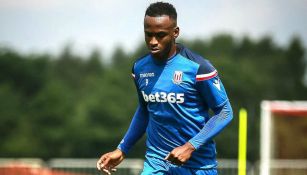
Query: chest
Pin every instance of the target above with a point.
(170, 83)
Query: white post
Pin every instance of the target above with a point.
(265, 138)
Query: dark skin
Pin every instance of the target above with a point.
(160, 35)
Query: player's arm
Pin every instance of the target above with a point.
(223, 115)
(136, 130)
(138, 124)
(213, 93)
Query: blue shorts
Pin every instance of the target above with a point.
(160, 167)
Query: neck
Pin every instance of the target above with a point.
(172, 51)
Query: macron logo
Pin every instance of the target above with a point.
(145, 75)
(217, 84)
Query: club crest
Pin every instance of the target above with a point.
(177, 78)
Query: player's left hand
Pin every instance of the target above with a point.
(181, 154)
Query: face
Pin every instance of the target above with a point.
(160, 34)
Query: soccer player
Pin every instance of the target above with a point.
(176, 88)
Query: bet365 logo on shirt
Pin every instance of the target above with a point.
(164, 97)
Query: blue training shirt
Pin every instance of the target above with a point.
(174, 99)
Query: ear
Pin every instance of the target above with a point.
(176, 32)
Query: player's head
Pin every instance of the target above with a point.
(160, 28)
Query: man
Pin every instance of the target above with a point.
(176, 88)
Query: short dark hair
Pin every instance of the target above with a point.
(160, 9)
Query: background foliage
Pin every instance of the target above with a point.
(72, 106)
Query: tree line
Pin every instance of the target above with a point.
(73, 106)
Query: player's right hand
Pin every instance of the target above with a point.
(109, 161)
